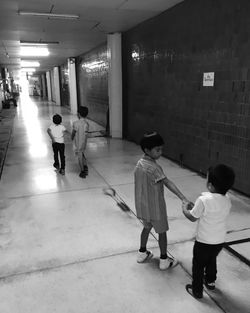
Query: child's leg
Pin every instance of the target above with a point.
(85, 167)
(81, 160)
(163, 245)
(211, 266)
(165, 261)
(62, 156)
(143, 253)
(144, 239)
(84, 161)
(199, 261)
(55, 151)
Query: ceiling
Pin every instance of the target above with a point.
(97, 19)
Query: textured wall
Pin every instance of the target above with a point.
(163, 65)
(92, 83)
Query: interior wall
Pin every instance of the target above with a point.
(164, 60)
(92, 83)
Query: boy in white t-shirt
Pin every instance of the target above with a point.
(211, 210)
(56, 132)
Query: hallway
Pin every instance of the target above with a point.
(67, 248)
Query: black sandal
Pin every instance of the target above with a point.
(189, 289)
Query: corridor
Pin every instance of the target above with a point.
(66, 247)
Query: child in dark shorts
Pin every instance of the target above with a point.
(56, 131)
(210, 210)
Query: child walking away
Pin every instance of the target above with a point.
(149, 199)
(56, 132)
(79, 136)
(210, 210)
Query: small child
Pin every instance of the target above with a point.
(149, 199)
(79, 136)
(211, 210)
(56, 132)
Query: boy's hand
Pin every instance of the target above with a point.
(188, 205)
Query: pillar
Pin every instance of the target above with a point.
(57, 85)
(115, 84)
(44, 86)
(49, 86)
(72, 85)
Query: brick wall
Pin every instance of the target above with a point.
(164, 60)
(92, 83)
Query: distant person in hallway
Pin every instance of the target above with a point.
(56, 132)
(149, 199)
(79, 136)
(211, 210)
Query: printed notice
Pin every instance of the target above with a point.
(208, 79)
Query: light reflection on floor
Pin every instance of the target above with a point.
(29, 112)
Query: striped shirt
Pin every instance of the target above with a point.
(149, 190)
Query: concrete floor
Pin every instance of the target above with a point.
(68, 248)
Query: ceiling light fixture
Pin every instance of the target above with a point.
(34, 51)
(38, 43)
(50, 15)
(30, 63)
(28, 69)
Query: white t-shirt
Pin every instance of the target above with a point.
(57, 132)
(212, 210)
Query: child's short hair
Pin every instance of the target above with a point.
(221, 177)
(83, 111)
(57, 119)
(151, 140)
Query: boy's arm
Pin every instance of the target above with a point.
(73, 134)
(50, 134)
(186, 211)
(172, 187)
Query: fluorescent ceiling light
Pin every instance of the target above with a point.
(50, 15)
(28, 69)
(30, 64)
(34, 51)
(38, 43)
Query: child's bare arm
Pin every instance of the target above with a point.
(172, 187)
(186, 207)
(50, 134)
(73, 134)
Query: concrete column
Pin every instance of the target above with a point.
(43, 86)
(72, 85)
(49, 86)
(115, 84)
(57, 85)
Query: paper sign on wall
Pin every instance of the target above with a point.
(208, 79)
